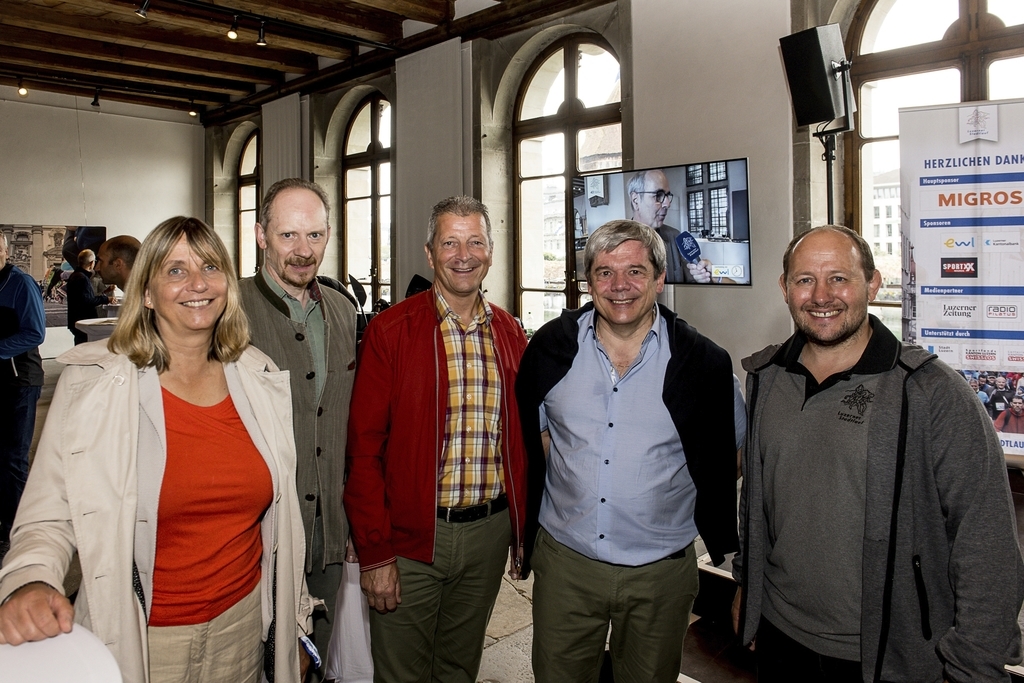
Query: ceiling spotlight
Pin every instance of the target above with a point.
(96, 98)
(192, 108)
(22, 90)
(233, 31)
(262, 40)
(143, 9)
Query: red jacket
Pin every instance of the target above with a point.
(396, 431)
(1008, 423)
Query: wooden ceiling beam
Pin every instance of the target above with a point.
(108, 52)
(87, 92)
(111, 85)
(429, 11)
(509, 17)
(324, 14)
(18, 57)
(216, 25)
(136, 34)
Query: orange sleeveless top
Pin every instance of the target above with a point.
(215, 490)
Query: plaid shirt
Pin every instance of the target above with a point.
(471, 470)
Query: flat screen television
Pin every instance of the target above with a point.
(701, 210)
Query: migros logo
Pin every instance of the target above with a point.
(999, 198)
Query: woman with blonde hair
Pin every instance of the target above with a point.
(167, 461)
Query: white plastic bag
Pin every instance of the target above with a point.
(348, 658)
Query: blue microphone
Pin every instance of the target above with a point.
(688, 247)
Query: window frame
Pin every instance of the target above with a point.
(254, 179)
(571, 118)
(373, 157)
(970, 45)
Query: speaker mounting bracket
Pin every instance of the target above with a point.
(840, 70)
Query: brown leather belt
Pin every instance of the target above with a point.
(473, 512)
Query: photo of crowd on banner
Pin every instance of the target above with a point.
(1002, 394)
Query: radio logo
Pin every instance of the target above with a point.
(1001, 311)
(960, 267)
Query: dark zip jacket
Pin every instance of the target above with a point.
(943, 578)
(698, 392)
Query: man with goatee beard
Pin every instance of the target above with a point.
(877, 536)
(309, 331)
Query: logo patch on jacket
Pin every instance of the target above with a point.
(855, 400)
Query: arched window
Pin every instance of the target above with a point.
(567, 122)
(366, 198)
(909, 53)
(248, 205)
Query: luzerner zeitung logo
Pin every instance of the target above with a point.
(958, 311)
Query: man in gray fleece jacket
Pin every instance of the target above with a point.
(877, 530)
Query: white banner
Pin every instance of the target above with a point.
(962, 196)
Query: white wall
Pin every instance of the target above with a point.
(122, 166)
(708, 83)
(428, 138)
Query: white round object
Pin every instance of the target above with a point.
(76, 657)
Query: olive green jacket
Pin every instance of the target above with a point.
(321, 425)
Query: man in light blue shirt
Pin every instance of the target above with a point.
(630, 423)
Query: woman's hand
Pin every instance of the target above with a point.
(35, 611)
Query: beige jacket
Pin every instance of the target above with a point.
(94, 487)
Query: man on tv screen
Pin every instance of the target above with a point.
(650, 197)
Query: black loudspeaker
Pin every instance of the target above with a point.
(816, 92)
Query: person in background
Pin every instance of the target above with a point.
(167, 463)
(436, 489)
(1012, 420)
(876, 521)
(976, 388)
(82, 298)
(309, 331)
(999, 399)
(630, 423)
(22, 330)
(985, 382)
(115, 259)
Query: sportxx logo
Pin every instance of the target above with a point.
(960, 267)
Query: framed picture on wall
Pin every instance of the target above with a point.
(597, 190)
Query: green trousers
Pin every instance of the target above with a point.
(575, 598)
(437, 634)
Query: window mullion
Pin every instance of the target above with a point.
(536, 290)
